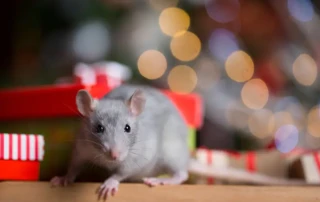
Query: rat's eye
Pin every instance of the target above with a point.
(127, 128)
(99, 128)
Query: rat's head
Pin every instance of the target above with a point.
(112, 123)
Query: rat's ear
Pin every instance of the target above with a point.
(85, 103)
(136, 102)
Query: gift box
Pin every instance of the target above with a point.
(51, 110)
(108, 73)
(20, 156)
(306, 167)
(270, 163)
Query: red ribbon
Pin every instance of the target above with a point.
(317, 160)
(210, 180)
(251, 161)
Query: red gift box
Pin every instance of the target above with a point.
(20, 156)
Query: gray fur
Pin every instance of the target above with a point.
(157, 143)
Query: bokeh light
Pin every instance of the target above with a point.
(162, 4)
(182, 79)
(261, 123)
(304, 70)
(152, 64)
(286, 138)
(222, 11)
(239, 66)
(91, 41)
(174, 21)
(185, 46)
(255, 94)
(301, 10)
(222, 43)
(313, 121)
(236, 115)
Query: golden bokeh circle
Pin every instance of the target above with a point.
(239, 66)
(305, 70)
(152, 64)
(182, 79)
(174, 20)
(255, 94)
(185, 46)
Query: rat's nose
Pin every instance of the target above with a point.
(114, 154)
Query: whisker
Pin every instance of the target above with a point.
(79, 116)
(85, 140)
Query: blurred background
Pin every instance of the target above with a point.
(254, 62)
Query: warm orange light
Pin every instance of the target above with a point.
(255, 94)
(152, 64)
(185, 46)
(305, 70)
(174, 20)
(182, 79)
(239, 66)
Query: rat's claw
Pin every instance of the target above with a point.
(109, 187)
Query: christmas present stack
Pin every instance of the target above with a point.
(20, 156)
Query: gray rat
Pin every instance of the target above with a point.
(136, 133)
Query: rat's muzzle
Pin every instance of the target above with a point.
(114, 154)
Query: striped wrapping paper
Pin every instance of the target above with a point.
(21, 147)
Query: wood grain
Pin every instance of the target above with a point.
(85, 192)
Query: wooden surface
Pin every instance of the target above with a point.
(41, 191)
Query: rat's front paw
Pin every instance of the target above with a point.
(110, 186)
(59, 181)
